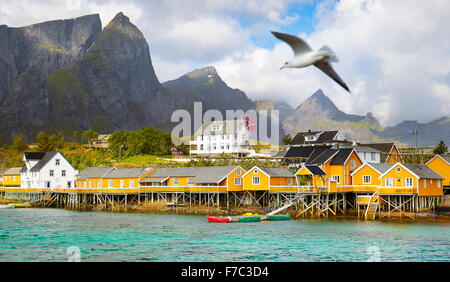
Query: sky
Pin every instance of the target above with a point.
(394, 55)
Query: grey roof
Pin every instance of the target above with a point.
(423, 171)
(445, 157)
(277, 172)
(127, 172)
(226, 127)
(381, 167)
(93, 172)
(149, 179)
(11, 171)
(200, 175)
(45, 159)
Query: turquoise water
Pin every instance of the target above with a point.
(46, 235)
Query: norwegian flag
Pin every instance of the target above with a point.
(249, 124)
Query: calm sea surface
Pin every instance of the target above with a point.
(49, 234)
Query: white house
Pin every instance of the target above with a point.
(47, 170)
(368, 155)
(222, 137)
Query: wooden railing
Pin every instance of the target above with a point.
(296, 189)
(187, 189)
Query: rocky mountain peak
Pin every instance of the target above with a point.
(203, 73)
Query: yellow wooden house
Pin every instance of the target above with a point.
(338, 165)
(11, 177)
(199, 179)
(441, 165)
(411, 179)
(311, 179)
(124, 180)
(274, 180)
(90, 179)
(367, 177)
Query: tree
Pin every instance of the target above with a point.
(18, 143)
(89, 136)
(43, 142)
(441, 148)
(287, 139)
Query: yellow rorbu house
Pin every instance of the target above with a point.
(11, 178)
(411, 179)
(274, 180)
(110, 180)
(194, 180)
(441, 165)
(367, 177)
(337, 164)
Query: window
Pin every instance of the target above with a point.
(237, 181)
(175, 181)
(122, 183)
(409, 182)
(47, 184)
(14, 178)
(424, 183)
(57, 162)
(431, 181)
(238, 172)
(367, 179)
(399, 169)
(63, 173)
(352, 164)
(69, 184)
(389, 182)
(190, 180)
(373, 156)
(337, 178)
(439, 183)
(256, 180)
(110, 183)
(255, 171)
(52, 173)
(290, 181)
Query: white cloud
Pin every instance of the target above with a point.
(394, 57)
(393, 54)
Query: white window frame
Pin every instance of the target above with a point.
(57, 162)
(238, 172)
(439, 183)
(63, 173)
(254, 180)
(424, 183)
(255, 171)
(237, 181)
(337, 179)
(290, 181)
(409, 182)
(352, 164)
(389, 182)
(175, 181)
(51, 173)
(369, 177)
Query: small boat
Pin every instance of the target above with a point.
(218, 219)
(21, 206)
(7, 207)
(278, 217)
(246, 219)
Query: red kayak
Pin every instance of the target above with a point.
(218, 219)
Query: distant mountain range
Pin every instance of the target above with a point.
(74, 75)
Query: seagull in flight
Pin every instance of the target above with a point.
(305, 56)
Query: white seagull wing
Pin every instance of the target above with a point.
(328, 70)
(298, 45)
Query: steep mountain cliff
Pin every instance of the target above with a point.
(319, 113)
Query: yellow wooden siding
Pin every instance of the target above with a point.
(358, 179)
(11, 180)
(399, 182)
(442, 168)
(263, 178)
(232, 187)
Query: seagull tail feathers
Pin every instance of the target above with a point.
(333, 58)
